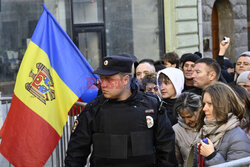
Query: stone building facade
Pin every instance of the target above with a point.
(225, 18)
(181, 26)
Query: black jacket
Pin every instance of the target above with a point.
(186, 88)
(220, 60)
(169, 104)
(121, 135)
(195, 90)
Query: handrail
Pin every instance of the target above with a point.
(234, 163)
(80, 103)
(10, 98)
(5, 98)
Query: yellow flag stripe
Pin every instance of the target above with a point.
(54, 111)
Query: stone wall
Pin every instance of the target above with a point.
(240, 37)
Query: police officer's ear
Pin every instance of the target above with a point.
(126, 80)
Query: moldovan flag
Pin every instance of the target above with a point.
(52, 77)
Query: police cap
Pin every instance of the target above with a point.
(115, 64)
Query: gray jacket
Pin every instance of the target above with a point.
(235, 145)
(184, 137)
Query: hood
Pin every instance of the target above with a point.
(177, 78)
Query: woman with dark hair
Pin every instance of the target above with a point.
(219, 123)
(186, 108)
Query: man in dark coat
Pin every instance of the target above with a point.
(126, 127)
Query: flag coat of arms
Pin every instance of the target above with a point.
(53, 75)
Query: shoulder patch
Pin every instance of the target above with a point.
(150, 121)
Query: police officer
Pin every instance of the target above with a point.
(124, 125)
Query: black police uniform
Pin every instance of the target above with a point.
(128, 133)
(121, 136)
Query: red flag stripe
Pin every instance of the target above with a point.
(28, 133)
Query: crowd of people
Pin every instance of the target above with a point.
(178, 111)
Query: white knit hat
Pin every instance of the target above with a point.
(243, 77)
(245, 53)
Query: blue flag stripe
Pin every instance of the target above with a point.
(64, 56)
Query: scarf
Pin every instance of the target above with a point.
(216, 132)
(182, 124)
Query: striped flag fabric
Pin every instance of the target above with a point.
(53, 75)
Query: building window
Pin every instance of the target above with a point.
(120, 26)
(135, 27)
(87, 11)
(88, 29)
(17, 23)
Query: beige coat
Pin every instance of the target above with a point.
(184, 137)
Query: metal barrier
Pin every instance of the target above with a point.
(239, 162)
(57, 157)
